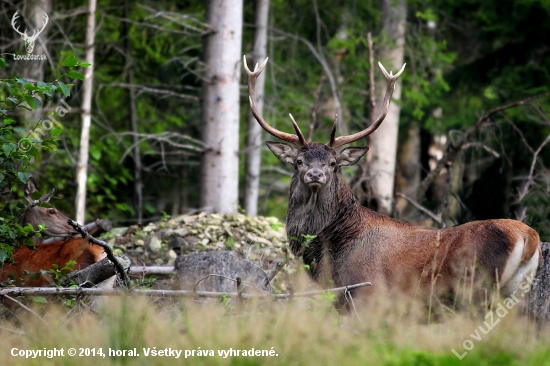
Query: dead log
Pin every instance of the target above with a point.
(540, 292)
(95, 273)
(218, 271)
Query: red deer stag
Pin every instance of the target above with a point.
(353, 244)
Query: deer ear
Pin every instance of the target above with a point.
(284, 152)
(351, 155)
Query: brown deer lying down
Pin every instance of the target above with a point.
(54, 220)
(29, 262)
(353, 244)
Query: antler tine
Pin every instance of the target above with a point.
(333, 132)
(390, 82)
(303, 141)
(297, 140)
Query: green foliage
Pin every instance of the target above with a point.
(22, 150)
(57, 273)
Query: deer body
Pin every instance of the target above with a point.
(29, 262)
(353, 244)
(345, 243)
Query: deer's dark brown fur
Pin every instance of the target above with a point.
(352, 244)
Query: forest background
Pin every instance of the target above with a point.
(147, 144)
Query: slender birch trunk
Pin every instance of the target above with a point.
(383, 143)
(220, 106)
(254, 135)
(82, 165)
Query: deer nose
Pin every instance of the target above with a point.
(315, 175)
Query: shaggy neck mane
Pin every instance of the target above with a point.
(309, 212)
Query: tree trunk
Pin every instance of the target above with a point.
(138, 183)
(383, 143)
(82, 165)
(220, 106)
(254, 135)
(540, 292)
(409, 169)
(34, 70)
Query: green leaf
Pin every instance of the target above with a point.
(85, 64)
(3, 255)
(57, 131)
(9, 148)
(35, 154)
(39, 300)
(490, 93)
(2, 63)
(96, 154)
(32, 102)
(64, 89)
(8, 121)
(75, 75)
(70, 61)
(23, 176)
(30, 87)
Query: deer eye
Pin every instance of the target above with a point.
(332, 164)
(299, 162)
(52, 211)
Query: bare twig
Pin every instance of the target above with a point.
(21, 305)
(12, 330)
(525, 189)
(145, 89)
(453, 149)
(55, 291)
(316, 104)
(421, 208)
(324, 64)
(106, 247)
(483, 146)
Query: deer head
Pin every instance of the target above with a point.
(316, 164)
(54, 220)
(29, 40)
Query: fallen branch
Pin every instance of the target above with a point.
(149, 270)
(52, 291)
(119, 268)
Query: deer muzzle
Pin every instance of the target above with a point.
(315, 177)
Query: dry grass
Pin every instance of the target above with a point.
(389, 331)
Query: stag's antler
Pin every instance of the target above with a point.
(343, 140)
(297, 139)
